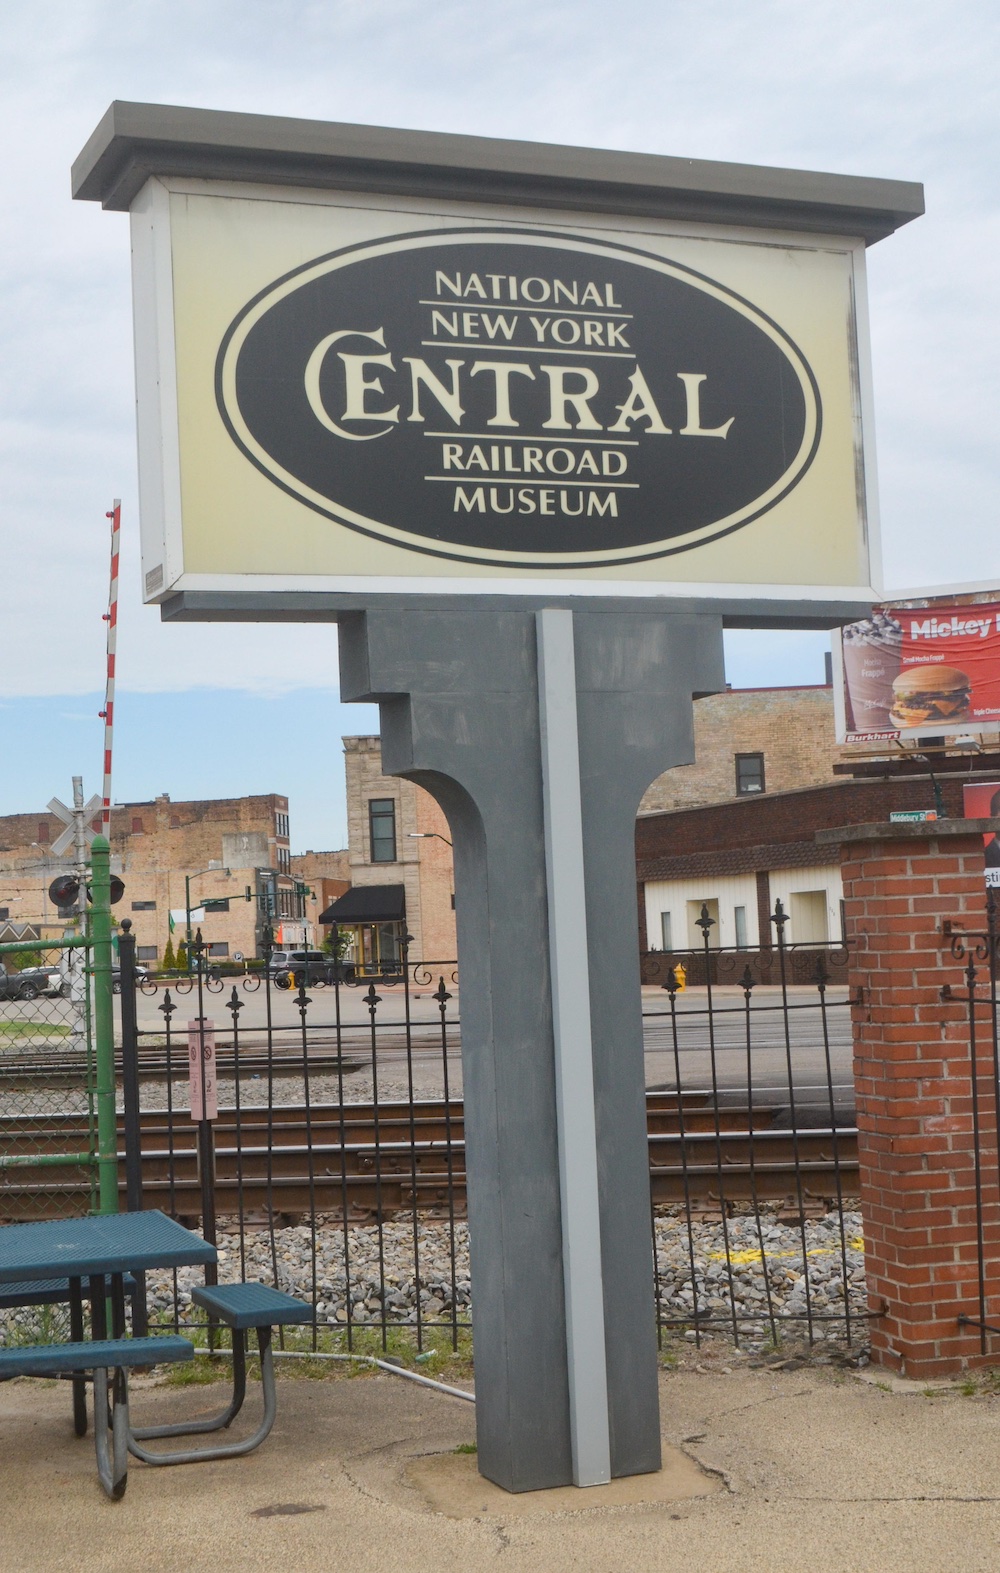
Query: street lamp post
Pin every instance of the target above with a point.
(428, 835)
(213, 868)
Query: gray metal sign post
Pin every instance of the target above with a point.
(538, 733)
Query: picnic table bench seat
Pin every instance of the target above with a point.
(49, 1291)
(106, 1353)
(247, 1305)
(105, 1357)
(241, 1306)
(56, 1291)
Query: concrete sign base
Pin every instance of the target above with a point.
(486, 709)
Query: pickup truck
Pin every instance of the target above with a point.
(30, 982)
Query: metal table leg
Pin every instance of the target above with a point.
(110, 1394)
(231, 1449)
(214, 1422)
(76, 1334)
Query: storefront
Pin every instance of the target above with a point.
(373, 917)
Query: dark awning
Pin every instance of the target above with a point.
(368, 904)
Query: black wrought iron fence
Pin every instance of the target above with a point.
(756, 1222)
(978, 951)
(320, 1141)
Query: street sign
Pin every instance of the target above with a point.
(66, 840)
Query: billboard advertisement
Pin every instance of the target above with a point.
(909, 672)
(337, 392)
(981, 800)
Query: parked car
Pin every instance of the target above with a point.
(31, 982)
(290, 968)
(283, 960)
(141, 974)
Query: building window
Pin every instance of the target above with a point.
(43, 833)
(284, 860)
(281, 826)
(749, 774)
(382, 825)
(666, 931)
(4, 914)
(136, 825)
(175, 821)
(144, 906)
(740, 925)
(219, 948)
(145, 953)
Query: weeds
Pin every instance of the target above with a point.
(437, 1359)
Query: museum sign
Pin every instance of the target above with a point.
(374, 362)
(519, 398)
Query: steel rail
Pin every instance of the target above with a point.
(413, 1156)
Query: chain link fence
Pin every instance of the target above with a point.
(48, 1082)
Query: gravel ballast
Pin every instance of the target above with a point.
(376, 1277)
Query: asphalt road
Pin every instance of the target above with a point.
(811, 1043)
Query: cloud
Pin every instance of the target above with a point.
(853, 86)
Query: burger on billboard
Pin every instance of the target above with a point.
(913, 671)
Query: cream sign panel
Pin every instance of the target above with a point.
(367, 395)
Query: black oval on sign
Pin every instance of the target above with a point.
(518, 398)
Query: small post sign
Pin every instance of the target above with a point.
(201, 1069)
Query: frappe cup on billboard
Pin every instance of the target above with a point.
(873, 652)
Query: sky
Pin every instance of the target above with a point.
(849, 86)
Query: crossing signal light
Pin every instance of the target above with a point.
(65, 889)
(63, 892)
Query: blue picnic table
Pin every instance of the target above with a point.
(99, 1252)
(103, 1253)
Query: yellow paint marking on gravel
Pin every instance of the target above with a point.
(741, 1258)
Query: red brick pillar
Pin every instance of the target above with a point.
(903, 886)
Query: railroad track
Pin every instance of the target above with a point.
(46, 1067)
(364, 1161)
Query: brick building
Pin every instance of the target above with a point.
(747, 742)
(398, 841)
(734, 831)
(752, 740)
(325, 876)
(223, 846)
(739, 857)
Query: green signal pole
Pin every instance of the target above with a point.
(104, 1024)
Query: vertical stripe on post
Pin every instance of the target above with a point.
(577, 1132)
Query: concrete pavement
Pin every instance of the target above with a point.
(766, 1469)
